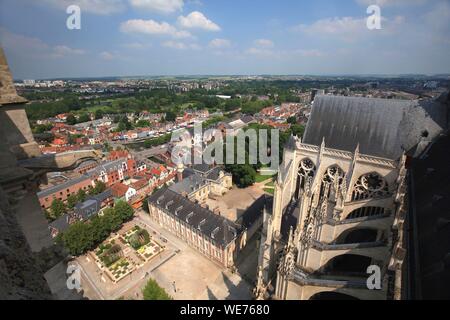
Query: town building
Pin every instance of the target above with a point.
(210, 234)
(82, 212)
(63, 190)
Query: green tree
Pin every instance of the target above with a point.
(143, 123)
(72, 200)
(57, 208)
(123, 210)
(78, 238)
(98, 114)
(41, 128)
(244, 175)
(298, 130)
(124, 124)
(81, 195)
(84, 118)
(171, 116)
(71, 120)
(100, 186)
(292, 120)
(152, 291)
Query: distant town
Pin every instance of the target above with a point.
(134, 213)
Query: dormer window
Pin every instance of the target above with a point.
(168, 204)
(190, 215)
(213, 234)
(201, 223)
(177, 210)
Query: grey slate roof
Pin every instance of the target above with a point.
(219, 229)
(62, 186)
(61, 224)
(189, 185)
(87, 208)
(247, 119)
(107, 166)
(382, 127)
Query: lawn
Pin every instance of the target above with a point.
(270, 190)
(261, 178)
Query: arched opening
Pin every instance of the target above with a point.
(369, 186)
(347, 264)
(306, 170)
(330, 295)
(358, 235)
(366, 212)
(331, 178)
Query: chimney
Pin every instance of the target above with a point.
(180, 169)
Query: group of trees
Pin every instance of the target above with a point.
(42, 128)
(59, 208)
(71, 119)
(152, 291)
(81, 237)
(157, 141)
(244, 175)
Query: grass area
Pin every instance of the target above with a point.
(261, 178)
(270, 184)
(269, 190)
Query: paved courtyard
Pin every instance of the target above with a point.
(233, 204)
(180, 270)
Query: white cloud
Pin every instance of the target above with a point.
(310, 53)
(24, 45)
(259, 52)
(99, 7)
(220, 43)
(264, 43)
(107, 55)
(62, 51)
(386, 3)
(197, 20)
(180, 45)
(152, 27)
(136, 45)
(349, 29)
(346, 26)
(159, 6)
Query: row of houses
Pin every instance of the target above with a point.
(110, 173)
(133, 191)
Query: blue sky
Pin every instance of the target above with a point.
(191, 37)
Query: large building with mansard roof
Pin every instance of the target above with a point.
(341, 199)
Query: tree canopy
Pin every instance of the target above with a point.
(83, 236)
(152, 291)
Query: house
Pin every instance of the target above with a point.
(63, 190)
(122, 191)
(93, 205)
(82, 212)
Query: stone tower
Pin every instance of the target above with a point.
(26, 249)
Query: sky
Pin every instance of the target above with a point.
(224, 37)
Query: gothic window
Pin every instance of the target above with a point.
(332, 178)
(370, 185)
(307, 170)
(333, 173)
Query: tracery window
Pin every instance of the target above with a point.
(370, 185)
(333, 173)
(332, 178)
(307, 170)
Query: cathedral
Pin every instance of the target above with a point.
(336, 229)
